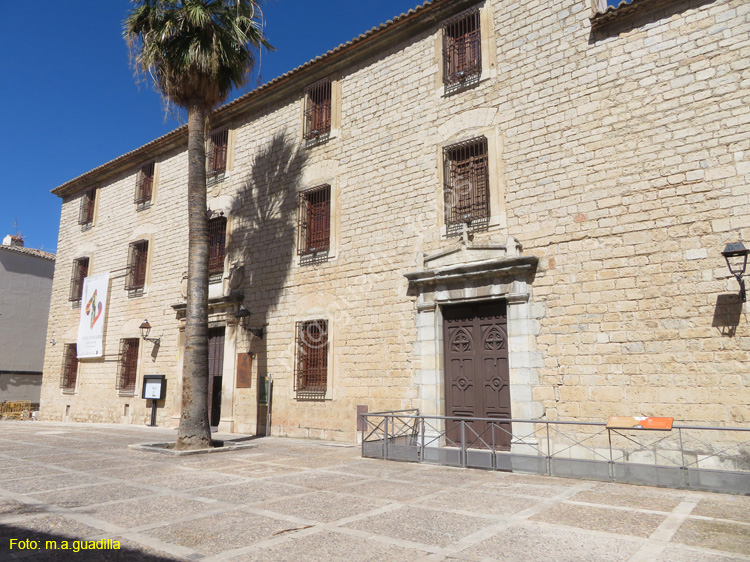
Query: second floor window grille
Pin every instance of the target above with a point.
(462, 48)
(137, 259)
(217, 239)
(311, 367)
(466, 187)
(144, 185)
(128, 365)
(314, 221)
(80, 272)
(86, 213)
(69, 367)
(318, 110)
(217, 154)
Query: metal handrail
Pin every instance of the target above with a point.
(407, 435)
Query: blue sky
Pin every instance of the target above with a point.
(71, 104)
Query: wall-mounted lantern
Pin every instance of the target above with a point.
(736, 256)
(243, 319)
(145, 329)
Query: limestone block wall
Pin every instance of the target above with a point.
(627, 166)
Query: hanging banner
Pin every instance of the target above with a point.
(93, 311)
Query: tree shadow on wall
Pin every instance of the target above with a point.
(264, 238)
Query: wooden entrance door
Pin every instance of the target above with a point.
(215, 370)
(475, 338)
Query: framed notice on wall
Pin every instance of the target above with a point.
(244, 370)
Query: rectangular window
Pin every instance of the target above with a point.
(217, 155)
(86, 213)
(80, 272)
(318, 110)
(137, 259)
(314, 221)
(462, 49)
(311, 367)
(69, 367)
(144, 185)
(466, 184)
(128, 365)
(217, 239)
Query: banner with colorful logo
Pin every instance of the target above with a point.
(93, 311)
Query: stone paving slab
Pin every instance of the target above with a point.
(294, 500)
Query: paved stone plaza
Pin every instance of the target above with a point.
(290, 500)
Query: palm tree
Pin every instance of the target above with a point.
(195, 51)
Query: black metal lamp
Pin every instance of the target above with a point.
(145, 329)
(736, 256)
(243, 319)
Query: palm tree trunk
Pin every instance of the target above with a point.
(194, 431)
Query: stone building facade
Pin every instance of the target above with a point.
(529, 199)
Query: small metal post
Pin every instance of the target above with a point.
(153, 413)
(421, 449)
(493, 460)
(463, 443)
(549, 451)
(385, 438)
(611, 458)
(684, 473)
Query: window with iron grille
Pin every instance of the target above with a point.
(69, 367)
(318, 110)
(144, 185)
(314, 226)
(128, 365)
(86, 213)
(80, 272)
(137, 259)
(462, 49)
(217, 154)
(217, 238)
(311, 367)
(466, 184)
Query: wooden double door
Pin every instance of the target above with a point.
(475, 338)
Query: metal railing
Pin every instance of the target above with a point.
(694, 457)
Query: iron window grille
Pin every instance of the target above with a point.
(311, 365)
(462, 49)
(137, 259)
(217, 156)
(80, 272)
(69, 367)
(318, 111)
(217, 236)
(314, 222)
(86, 212)
(128, 365)
(144, 185)
(466, 188)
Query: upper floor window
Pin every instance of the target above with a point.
(128, 365)
(137, 260)
(311, 366)
(217, 155)
(462, 49)
(314, 223)
(80, 272)
(318, 111)
(217, 239)
(466, 188)
(144, 186)
(86, 212)
(69, 367)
